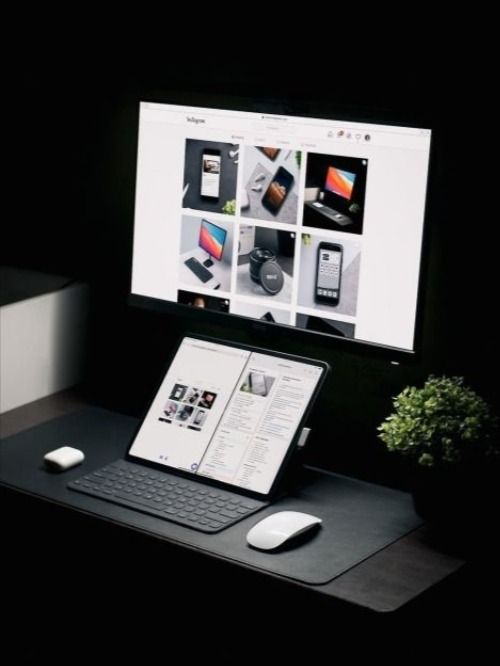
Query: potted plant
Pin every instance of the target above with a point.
(229, 207)
(449, 434)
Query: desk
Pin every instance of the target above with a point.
(385, 583)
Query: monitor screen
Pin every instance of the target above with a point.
(316, 223)
(340, 182)
(212, 239)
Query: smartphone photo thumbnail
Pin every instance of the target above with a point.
(278, 190)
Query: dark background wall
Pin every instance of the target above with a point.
(74, 129)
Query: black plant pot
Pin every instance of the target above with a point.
(463, 502)
(438, 494)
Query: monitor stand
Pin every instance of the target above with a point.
(208, 262)
(330, 213)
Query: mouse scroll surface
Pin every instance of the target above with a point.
(279, 528)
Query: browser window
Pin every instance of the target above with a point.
(285, 184)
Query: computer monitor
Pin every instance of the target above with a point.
(340, 182)
(212, 239)
(338, 255)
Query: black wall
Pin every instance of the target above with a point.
(73, 167)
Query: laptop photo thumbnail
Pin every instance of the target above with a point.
(217, 437)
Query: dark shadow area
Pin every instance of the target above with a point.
(95, 587)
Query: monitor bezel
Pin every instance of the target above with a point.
(313, 108)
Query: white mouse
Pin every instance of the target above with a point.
(278, 528)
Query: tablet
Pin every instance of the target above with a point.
(229, 414)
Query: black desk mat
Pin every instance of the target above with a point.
(358, 518)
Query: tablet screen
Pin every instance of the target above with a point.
(227, 412)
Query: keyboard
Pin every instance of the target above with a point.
(330, 213)
(198, 269)
(326, 210)
(167, 496)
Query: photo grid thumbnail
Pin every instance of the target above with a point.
(188, 406)
(257, 383)
(270, 178)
